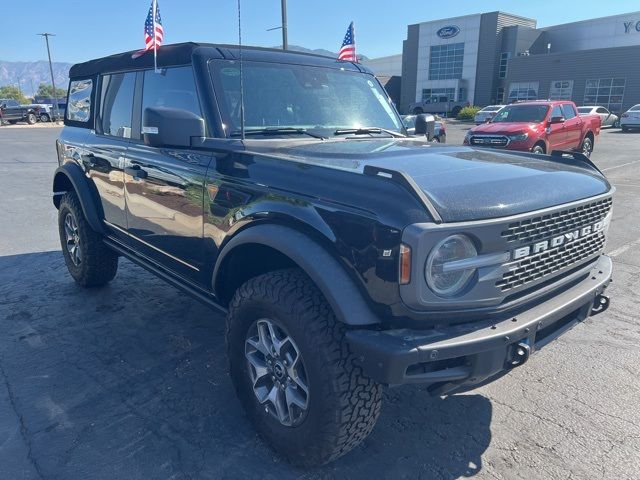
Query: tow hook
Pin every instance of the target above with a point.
(518, 355)
(600, 304)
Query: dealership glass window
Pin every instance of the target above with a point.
(500, 95)
(79, 106)
(523, 91)
(561, 90)
(608, 92)
(504, 60)
(438, 95)
(445, 61)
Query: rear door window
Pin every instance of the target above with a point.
(116, 104)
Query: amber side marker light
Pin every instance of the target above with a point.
(405, 264)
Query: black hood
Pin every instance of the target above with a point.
(463, 183)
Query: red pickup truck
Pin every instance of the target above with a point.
(538, 127)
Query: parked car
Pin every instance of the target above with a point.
(538, 127)
(608, 119)
(345, 257)
(438, 105)
(48, 113)
(440, 133)
(630, 119)
(486, 114)
(13, 112)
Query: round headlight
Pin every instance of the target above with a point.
(444, 277)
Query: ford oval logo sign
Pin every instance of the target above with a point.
(449, 31)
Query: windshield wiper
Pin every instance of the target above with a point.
(278, 131)
(366, 131)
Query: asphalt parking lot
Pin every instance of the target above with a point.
(129, 381)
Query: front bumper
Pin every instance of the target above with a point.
(462, 356)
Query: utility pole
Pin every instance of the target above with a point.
(285, 41)
(53, 82)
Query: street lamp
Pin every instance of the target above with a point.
(53, 82)
(285, 41)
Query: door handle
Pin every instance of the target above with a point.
(136, 172)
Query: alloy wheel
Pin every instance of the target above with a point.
(277, 372)
(72, 236)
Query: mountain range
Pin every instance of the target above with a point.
(31, 74)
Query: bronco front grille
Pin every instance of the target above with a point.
(545, 226)
(550, 261)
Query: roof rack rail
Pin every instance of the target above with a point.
(408, 183)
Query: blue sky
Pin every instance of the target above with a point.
(90, 28)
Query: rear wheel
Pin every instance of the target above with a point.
(293, 371)
(31, 118)
(45, 117)
(587, 146)
(89, 261)
(538, 149)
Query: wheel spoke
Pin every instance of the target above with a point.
(276, 397)
(294, 397)
(259, 367)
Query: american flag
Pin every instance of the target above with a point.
(153, 41)
(348, 50)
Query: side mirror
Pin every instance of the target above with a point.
(425, 125)
(170, 127)
(556, 120)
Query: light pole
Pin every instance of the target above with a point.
(53, 82)
(285, 41)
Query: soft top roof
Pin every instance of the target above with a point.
(182, 53)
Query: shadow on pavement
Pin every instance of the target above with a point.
(130, 381)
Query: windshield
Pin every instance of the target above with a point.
(301, 97)
(584, 109)
(522, 113)
(635, 108)
(490, 109)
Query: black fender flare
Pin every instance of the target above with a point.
(325, 271)
(86, 194)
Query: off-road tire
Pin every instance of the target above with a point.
(344, 404)
(31, 118)
(45, 118)
(99, 263)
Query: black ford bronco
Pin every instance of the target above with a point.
(281, 189)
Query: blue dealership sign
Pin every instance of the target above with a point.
(449, 31)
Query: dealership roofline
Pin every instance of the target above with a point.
(442, 20)
(590, 20)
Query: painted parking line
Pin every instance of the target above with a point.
(620, 166)
(620, 250)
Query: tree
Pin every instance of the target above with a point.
(10, 91)
(45, 90)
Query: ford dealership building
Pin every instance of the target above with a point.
(499, 57)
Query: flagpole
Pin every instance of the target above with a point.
(155, 45)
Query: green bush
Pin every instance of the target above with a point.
(468, 113)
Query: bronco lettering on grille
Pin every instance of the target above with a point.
(563, 239)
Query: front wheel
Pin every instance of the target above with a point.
(538, 149)
(89, 261)
(587, 146)
(45, 118)
(293, 371)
